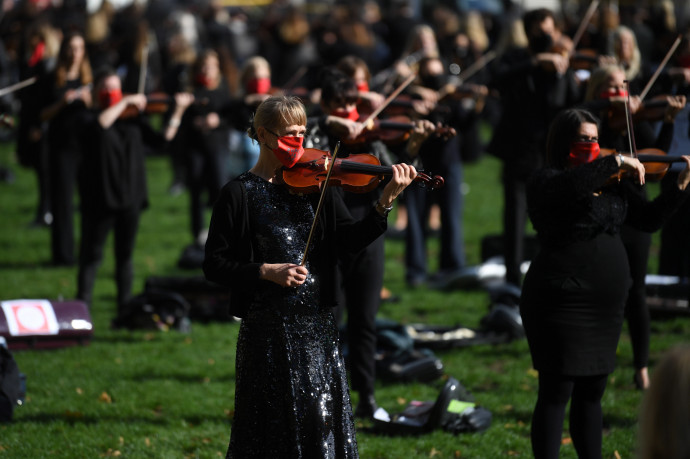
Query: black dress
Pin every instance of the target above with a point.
(291, 394)
(575, 290)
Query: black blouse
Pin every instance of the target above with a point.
(576, 204)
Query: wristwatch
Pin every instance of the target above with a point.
(383, 210)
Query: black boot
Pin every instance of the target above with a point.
(366, 406)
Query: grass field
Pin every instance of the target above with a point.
(170, 395)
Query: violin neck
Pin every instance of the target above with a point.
(658, 159)
(395, 125)
(372, 169)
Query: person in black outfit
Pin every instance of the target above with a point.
(574, 293)
(68, 94)
(205, 134)
(362, 272)
(113, 186)
(291, 397)
(606, 95)
(534, 84)
(442, 155)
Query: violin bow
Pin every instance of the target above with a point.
(628, 121)
(477, 65)
(295, 78)
(17, 86)
(656, 74)
(389, 99)
(583, 24)
(143, 69)
(324, 185)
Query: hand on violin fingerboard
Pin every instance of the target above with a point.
(422, 130)
(553, 61)
(675, 105)
(684, 176)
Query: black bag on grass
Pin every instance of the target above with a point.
(152, 310)
(10, 384)
(454, 411)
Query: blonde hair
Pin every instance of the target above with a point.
(250, 66)
(665, 413)
(277, 111)
(632, 69)
(598, 78)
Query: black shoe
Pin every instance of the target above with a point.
(366, 407)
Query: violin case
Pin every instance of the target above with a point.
(454, 411)
(667, 296)
(45, 324)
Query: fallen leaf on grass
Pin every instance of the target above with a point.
(533, 373)
(434, 452)
(105, 398)
(401, 401)
(211, 362)
(121, 440)
(512, 453)
(615, 453)
(566, 441)
(147, 441)
(112, 453)
(69, 414)
(79, 391)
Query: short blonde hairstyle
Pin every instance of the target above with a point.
(278, 111)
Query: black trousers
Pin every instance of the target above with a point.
(361, 296)
(64, 166)
(637, 244)
(95, 227)
(514, 221)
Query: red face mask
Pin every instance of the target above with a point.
(583, 152)
(611, 92)
(37, 54)
(352, 115)
(363, 86)
(203, 80)
(109, 97)
(258, 86)
(289, 149)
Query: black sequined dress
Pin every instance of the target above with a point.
(291, 393)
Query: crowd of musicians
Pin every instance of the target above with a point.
(426, 77)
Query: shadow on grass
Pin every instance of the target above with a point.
(183, 377)
(31, 265)
(80, 418)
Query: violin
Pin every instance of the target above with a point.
(656, 162)
(392, 131)
(158, 102)
(650, 110)
(359, 173)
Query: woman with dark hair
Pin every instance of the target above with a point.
(575, 290)
(68, 94)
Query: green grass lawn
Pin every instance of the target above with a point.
(170, 395)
